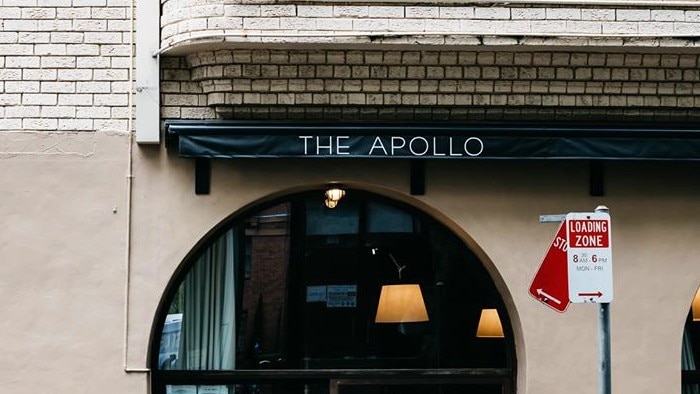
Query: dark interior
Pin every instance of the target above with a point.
(308, 284)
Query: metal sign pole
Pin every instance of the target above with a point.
(604, 333)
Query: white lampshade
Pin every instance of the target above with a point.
(401, 304)
(489, 325)
(696, 306)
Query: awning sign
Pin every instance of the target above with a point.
(209, 139)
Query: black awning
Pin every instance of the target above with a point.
(229, 139)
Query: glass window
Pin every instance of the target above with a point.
(247, 388)
(343, 219)
(386, 219)
(690, 352)
(200, 329)
(274, 292)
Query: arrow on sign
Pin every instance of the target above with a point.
(547, 296)
(589, 257)
(596, 294)
(550, 281)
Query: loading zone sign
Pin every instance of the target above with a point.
(589, 257)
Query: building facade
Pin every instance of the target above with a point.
(149, 148)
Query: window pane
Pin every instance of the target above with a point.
(170, 341)
(691, 389)
(263, 293)
(690, 352)
(228, 312)
(413, 388)
(250, 388)
(385, 219)
(690, 355)
(343, 219)
(200, 330)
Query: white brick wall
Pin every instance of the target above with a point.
(65, 65)
(184, 19)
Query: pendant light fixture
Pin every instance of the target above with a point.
(333, 195)
(402, 303)
(489, 325)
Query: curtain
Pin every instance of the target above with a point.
(208, 337)
(688, 363)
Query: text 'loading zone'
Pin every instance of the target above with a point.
(589, 257)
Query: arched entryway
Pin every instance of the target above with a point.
(285, 298)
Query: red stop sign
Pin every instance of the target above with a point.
(550, 284)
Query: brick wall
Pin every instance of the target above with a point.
(65, 65)
(278, 84)
(181, 97)
(430, 23)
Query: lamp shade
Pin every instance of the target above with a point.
(401, 304)
(489, 325)
(696, 306)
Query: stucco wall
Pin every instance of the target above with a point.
(62, 263)
(64, 249)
